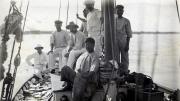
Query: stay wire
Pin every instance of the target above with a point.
(67, 13)
(177, 7)
(18, 54)
(77, 4)
(59, 10)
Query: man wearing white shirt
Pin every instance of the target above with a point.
(85, 75)
(58, 42)
(123, 36)
(75, 47)
(40, 59)
(94, 24)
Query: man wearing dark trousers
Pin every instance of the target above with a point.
(84, 78)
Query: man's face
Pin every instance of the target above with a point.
(90, 7)
(120, 11)
(85, 12)
(39, 50)
(89, 47)
(58, 26)
(73, 29)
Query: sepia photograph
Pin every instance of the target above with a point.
(89, 50)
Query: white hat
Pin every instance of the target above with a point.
(89, 2)
(38, 46)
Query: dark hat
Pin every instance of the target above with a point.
(38, 46)
(91, 40)
(72, 24)
(119, 7)
(58, 22)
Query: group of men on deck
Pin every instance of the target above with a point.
(79, 51)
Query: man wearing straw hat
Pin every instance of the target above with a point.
(40, 59)
(58, 42)
(76, 45)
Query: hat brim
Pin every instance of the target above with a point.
(38, 48)
(69, 26)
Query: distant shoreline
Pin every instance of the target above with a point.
(135, 32)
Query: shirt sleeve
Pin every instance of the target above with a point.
(29, 58)
(128, 29)
(95, 64)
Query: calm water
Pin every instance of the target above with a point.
(143, 49)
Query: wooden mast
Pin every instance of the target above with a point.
(108, 14)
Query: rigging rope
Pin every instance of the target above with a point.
(77, 10)
(8, 83)
(156, 46)
(59, 10)
(67, 13)
(18, 57)
(20, 7)
(177, 7)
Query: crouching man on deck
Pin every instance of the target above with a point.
(85, 75)
(40, 60)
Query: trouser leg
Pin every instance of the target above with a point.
(79, 88)
(73, 56)
(52, 58)
(67, 74)
(64, 59)
(112, 91)
(124, 56)
(125, 59)
(60, 58)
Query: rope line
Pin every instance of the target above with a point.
(77, 10)
(59, 10)
(177, 7)
(67, 13)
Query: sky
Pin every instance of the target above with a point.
(144, 15)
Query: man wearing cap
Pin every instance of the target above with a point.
(58, 42)
(84, 78)
(76, 45)
(39, 57)
(123, 35)
(94, 24)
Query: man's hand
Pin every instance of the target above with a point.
(77, 15)
(127, 48)
(51, 51)
(87, 74)
(67, 54)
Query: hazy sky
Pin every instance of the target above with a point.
(145, 15)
